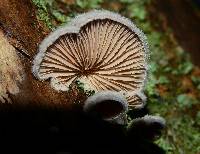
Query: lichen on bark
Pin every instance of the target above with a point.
(11, 70)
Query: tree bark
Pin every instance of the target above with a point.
(21, 32)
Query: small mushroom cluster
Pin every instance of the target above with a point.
(104, 51)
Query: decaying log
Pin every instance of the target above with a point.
(21, 33)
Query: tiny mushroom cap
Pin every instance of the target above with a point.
(111, 106)
(150, 120)
(101, 49)
(149, 127)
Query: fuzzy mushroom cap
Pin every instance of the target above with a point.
(111, 106)
(101, 49)
(149, 127)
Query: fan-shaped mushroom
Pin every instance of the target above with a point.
(101, 49)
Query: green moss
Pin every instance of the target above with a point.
(165, 144)
(43, 11)
(49, 13)
(182, 138)
(185, 101)
(89, 4)
(196, 81)
(183, 68)
(80, 86)
(197, 118)
(60, 16)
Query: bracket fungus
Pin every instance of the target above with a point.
(101, 49)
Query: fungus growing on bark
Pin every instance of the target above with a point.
(149, 127)
(111, 106)
(101, 49)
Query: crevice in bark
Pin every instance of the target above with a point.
(23, 53)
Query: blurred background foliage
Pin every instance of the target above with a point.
(173, 87)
